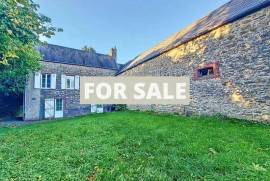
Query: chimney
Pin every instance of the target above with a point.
(113, 53)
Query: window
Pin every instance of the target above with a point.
(207, 71)
(59, 105)
(46, 81)
(70, 82)
(99, 106)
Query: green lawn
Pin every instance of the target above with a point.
(136, 146)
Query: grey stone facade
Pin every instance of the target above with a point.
(71, 98)
(34, 99)
(242, 49)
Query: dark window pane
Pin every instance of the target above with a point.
(59, 105)
(43, 81)
(203, 72)
(49, 81)
(206, 71)
(68, 83)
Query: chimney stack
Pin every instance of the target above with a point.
(113, 53)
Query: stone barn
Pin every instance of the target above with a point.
(227, 56)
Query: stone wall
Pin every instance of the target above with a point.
(71, 98)
(242, 50)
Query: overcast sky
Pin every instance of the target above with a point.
(133, 26)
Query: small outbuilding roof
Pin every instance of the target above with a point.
(60, 54)
(229, 12)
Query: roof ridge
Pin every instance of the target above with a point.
(65, 55)
(74, 49)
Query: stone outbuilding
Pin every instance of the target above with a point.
(227, 56)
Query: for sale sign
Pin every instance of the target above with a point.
(135, 90)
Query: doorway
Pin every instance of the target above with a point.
(49, 108)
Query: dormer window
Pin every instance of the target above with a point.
(207, 71)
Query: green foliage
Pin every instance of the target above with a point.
(136, 146)
(10, 105)
(20, 28)
(13, 75)
(88, 49)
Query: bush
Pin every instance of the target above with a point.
(10, 105)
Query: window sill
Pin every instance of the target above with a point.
(47, 89)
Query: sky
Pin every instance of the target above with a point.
(133, 26)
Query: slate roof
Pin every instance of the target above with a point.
(229, 12)
(120, 66)
(60, 54)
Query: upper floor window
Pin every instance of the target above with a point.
(207, 71)
(46, 81)
(70, 82)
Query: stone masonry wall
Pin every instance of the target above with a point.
(71, 98)
(242, 49)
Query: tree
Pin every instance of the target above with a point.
(21, 26)
(88, 49)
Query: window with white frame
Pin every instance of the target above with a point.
(46, 81)
(70, 82)
(99, 106)
(59, 105)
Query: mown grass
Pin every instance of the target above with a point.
(136, 146)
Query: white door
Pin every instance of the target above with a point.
(99, 108)
(49, 108)
(93, 108)
(59, 108)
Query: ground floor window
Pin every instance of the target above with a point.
(97, 108)
(59, 113)
(59, 104)
(53, 108)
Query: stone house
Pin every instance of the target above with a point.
(227, 56)
(54, 91)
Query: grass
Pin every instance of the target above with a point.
(136, 146)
